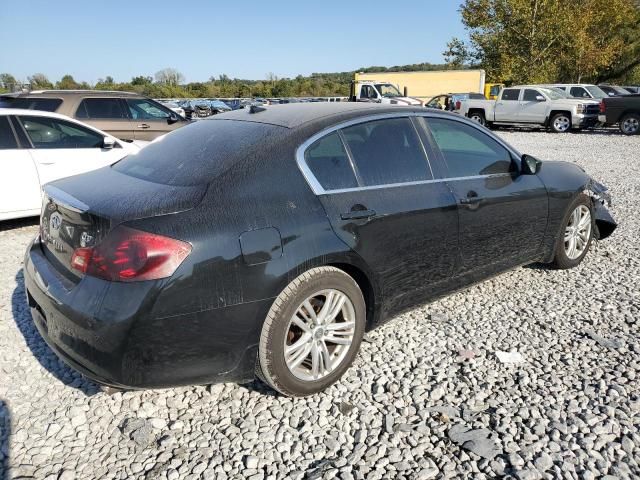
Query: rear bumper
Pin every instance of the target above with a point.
(106, 331)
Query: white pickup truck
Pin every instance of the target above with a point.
(533, 105)
(380, 92)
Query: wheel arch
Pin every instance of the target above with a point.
(371, 298)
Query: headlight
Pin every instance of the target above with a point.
(580, 108)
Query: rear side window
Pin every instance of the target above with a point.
(45, 104)
(96, 108)
(387, 151)
(329, 163)
(467, 151)
(7, 139)
(510, 94)
(198, 153)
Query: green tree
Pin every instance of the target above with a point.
(8, 82)
(549, 40)
(67, 83)
(39, 81)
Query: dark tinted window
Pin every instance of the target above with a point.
(7, 140)
(45, 104)
(143, 109)
(53, 133)
(467, 151)
(530, 95)
(100, 108)
(387, 151)
(198, 153)
(510, 94)
(329, 163)
(579, 92)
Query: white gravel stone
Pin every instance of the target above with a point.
(569, 411)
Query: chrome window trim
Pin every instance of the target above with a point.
(319, 190)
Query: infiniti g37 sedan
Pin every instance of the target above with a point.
(266, 241)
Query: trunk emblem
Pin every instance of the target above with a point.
(86, 239)
(55, 221)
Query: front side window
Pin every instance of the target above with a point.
(143, 109)
(7, 139)
(579, 92)
(100, 108)
(511, 94)
(530, 95)
(387, 90)
(53, 133)
(329, 163)
(386, 152)
(467, 151)
(368, 92)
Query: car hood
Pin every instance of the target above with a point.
(405, 101)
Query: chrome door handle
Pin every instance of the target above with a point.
(144, 125)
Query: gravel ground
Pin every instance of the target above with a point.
(427, 398)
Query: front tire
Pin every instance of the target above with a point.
(561, 123)
(630, 124)
(312, 332)
(576, 234)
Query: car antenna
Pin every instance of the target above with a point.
(256, 109)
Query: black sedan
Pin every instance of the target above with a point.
(266, 241)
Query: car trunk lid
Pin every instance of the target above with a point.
(80, 211)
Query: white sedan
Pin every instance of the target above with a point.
(38, 147)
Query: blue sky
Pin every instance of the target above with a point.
(244, 39)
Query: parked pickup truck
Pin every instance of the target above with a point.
(625, 111)
(533, 105)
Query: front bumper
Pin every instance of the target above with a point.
(107, 332)
(582, 120)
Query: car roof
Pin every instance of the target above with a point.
(98, 93)
(294, 115)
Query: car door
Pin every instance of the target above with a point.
(106, 114)
(508, 106)
(151, 119)
(502, 214)
(61, 148)
(376, 185)
(533, 106)
(19, 182)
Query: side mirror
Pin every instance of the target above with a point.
(530, 165)
(540, 98)
(108, 143)
(173, 118)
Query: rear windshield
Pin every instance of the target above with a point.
(198, 153)
(45, 104)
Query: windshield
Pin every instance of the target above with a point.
(596, 92)
(553, 93)
(387, 90)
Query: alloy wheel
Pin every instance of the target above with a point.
(561, 123)
(577, 232)
(319, 335)
(631, 125)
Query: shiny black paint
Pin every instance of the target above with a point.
(255, 228)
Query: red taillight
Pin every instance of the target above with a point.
(603, 107)
(458, 104)
(129, 255)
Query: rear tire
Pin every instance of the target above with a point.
(478, 117)
(303, 352)
(630, 124)
(560, 123)
(575, 235)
